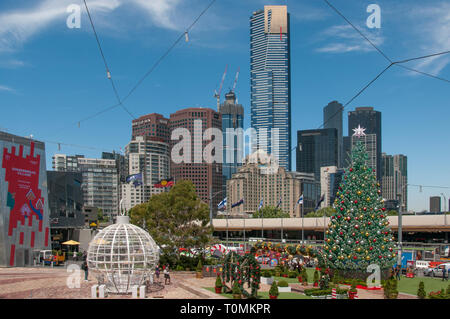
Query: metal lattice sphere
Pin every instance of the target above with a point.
(122, 255)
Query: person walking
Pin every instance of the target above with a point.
(166, 275)
(157, 271)
(444, 272)
(85, 267)
(398, 272)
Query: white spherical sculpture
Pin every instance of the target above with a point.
(123, 255)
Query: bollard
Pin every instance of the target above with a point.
(98, 291)
(94, 290)
(138, 292)
(333, 293)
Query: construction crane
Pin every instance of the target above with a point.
(235, 80)
(217, 93)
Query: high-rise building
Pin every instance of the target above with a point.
(65, 201)
(330, 178)
(346, 151)
(65, 163)
(100, 179)
(368, 118)
(121, 163)
(232, 118)
(153, 125)
(316, 149)
(151, 157)
(206, 176)
(332, 118)
(270, 75)
(100, 184)
(394, 179)
(435, 204)
(252, 183)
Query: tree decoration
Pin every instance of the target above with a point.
(238, 270)
(361, 227)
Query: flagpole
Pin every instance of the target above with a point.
(303, 228)
(282, 228)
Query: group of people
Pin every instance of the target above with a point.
(165, 272)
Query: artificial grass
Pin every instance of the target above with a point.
(265, 295)
(411, 285)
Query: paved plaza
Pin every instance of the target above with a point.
(46, 282)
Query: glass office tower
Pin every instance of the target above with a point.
(232, 118)
(315, 149)
(271, 81)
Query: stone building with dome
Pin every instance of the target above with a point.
(261, 178)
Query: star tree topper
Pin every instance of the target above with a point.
(359, 131)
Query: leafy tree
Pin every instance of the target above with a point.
(328, 211)
(392, 213)
(270, 212)
(175, 219)
(100, 215)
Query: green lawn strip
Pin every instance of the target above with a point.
(309, 271)
(214, 290)
(265, 294)
(284, 295)
(411, 285)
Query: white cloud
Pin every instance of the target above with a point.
(19, 25)
(343, 39)
(431, 27)
(161, 12)
(7, 89)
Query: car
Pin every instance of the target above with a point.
(437, 271)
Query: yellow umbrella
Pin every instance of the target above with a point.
(70, 242)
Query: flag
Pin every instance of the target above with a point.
(136, 179)
(320, 201)
(222, 204)
(238, 203)
(164, 183)
(261, 203)
(279, 202)
(300, 200)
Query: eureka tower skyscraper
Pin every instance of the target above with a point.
(270, 75)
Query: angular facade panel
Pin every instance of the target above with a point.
(24, 213)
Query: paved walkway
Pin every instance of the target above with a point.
(45, 282)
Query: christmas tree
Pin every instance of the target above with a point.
(358, 234)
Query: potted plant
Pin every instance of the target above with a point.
(390, 289)
(283, 286)
(352, 291)
(421, 294)
(274, 292)
(218, 285)
(316, 278)
(199, 269)
(236, 291)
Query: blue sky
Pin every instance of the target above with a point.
(52, 76)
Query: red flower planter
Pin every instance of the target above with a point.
(316, 284)
(218, 290)
(285, 276)
(351, 295)
(273, 297)
(300, 279)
